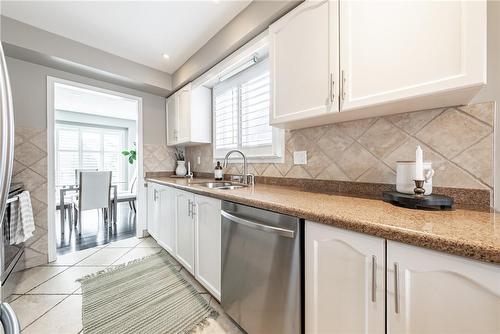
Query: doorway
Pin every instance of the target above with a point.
(92, 131)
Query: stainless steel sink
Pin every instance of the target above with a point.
(222, 185)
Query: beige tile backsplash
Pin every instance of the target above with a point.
(458, 141)
(30, 168)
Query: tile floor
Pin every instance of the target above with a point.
(48, 300)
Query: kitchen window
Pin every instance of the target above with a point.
(90, 147)
(241, 116)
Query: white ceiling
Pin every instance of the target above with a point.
(140, 31)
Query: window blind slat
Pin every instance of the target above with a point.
(241, 111)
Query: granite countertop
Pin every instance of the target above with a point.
(473, 234)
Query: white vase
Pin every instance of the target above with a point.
(181, 168)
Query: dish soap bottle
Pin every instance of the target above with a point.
(218, 172)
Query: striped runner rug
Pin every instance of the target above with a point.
(144, 296)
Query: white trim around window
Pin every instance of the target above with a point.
(241, 107)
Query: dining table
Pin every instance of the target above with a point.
(74, 187)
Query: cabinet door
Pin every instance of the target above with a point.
(440, 293)
(172, 121)
(208, 243)
(304, 62)
(153, 210)
(396, 50)
(344, 281)
(184, 114)
(184, 229)
(166, 230)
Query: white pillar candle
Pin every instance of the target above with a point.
(419, 164)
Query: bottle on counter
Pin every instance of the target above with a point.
(218, 172)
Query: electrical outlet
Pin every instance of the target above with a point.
(198, 160)
(300, 157)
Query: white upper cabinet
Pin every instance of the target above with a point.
(207, 214)
(305, 62)
(432, 292)
(189, 120)
(370, 58)
(399, 50)
(344, 281)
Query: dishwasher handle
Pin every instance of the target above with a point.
(259, 225)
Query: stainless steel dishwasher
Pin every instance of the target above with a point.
(261, 269)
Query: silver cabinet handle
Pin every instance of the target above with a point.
(9, 319)
(343, 81)
(396, 287)
(190, 208)
(259, 225)
(155, 194)
(332, 86)
(374, 278)
(193, 209)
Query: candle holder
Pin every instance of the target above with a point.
(419, 188)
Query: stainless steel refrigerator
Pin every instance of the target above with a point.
(8, 317)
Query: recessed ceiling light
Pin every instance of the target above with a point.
(166, 56)
(216, 1)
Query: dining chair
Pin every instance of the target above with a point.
(129, 196)
(93, 194)
(77, 174)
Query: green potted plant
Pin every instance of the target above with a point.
(131, 155)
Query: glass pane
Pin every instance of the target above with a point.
(91, 160)
(255, 103)
(226, 119)
(91, 140)
(66, 165)
(112, 142)
(68, 139)
(113, 162)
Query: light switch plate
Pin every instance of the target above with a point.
(300, 157)
(198, 160)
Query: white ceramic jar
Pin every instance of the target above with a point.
(181, 168)
(405, 174)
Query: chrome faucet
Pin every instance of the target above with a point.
(244, 177)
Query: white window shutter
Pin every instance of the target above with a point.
(241, 106)
(255, 101)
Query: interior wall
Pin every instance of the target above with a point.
(29, 95)
(246, 25)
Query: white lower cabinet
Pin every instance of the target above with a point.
(428, 292)
(188, 226)
(436, 292)
(344, 281)
(166, 230)
(160, 215)
(208, 243)
(153, 213)
(184, 229)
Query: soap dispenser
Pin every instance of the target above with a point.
(218, 172)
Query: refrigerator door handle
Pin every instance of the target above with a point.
(6, 134)
(9, 319)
